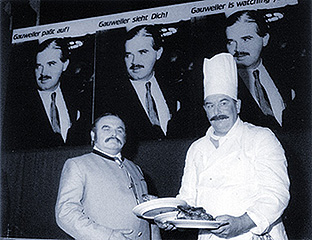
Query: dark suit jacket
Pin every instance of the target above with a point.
(119, 96)
(27, 125)
(251, 112)
(124, 101)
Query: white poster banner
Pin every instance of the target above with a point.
(159, 15)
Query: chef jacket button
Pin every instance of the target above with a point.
(139, 234)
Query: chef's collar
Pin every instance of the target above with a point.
(221, 139)
(215, 137)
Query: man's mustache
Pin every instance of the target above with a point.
(218, 117)
(241, 54)
(111, 138)
(44, 77)
(135, 66)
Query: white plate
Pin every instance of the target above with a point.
(154, 207)
(171, 217)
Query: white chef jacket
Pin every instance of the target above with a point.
(246, 173)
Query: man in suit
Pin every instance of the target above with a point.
(144, 100)
(47, 116)
(98, 190)
(262, 87)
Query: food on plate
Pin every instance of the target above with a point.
(194, 213)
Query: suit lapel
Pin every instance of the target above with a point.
(280, 79)
(250, 111)
(42, 133)
(244, 94)
(131, 109)
(168, 95)
(38, 110)
(133, 100)
(69, 102)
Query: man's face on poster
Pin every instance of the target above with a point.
(140, 57)
(49, 68)
(244, 43)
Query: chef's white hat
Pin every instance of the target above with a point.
(220, 75)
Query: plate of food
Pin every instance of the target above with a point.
(189, 217)
(157, 206)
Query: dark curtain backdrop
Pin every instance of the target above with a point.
(30, 182)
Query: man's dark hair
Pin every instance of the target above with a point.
(249, 16)
(146, 31)
(93, 127)
(55, 43)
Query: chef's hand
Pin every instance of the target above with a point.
(121, 234)
(233, 226)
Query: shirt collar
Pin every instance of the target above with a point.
(136, 82)
(118, 155)
(48, 93)
(258, 67)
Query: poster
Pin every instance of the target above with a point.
(190, 32)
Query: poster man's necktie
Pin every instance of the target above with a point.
(151, 106)
(54, 114)
(261, 95)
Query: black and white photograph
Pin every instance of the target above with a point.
(156, 120)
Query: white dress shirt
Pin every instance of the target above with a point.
(61, 106)
(161, 105)
(275, 98)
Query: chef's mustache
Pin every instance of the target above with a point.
(134, 66)
(218, 117)
(111, 138)
(241, 54)
(44, 77)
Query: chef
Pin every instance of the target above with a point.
(237, 172)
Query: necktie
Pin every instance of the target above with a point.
(54, 114)
(151, 106)
(261, 95)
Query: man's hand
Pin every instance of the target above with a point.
(120, 234)
(165, 226)
(233, 226)
(148, 197)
